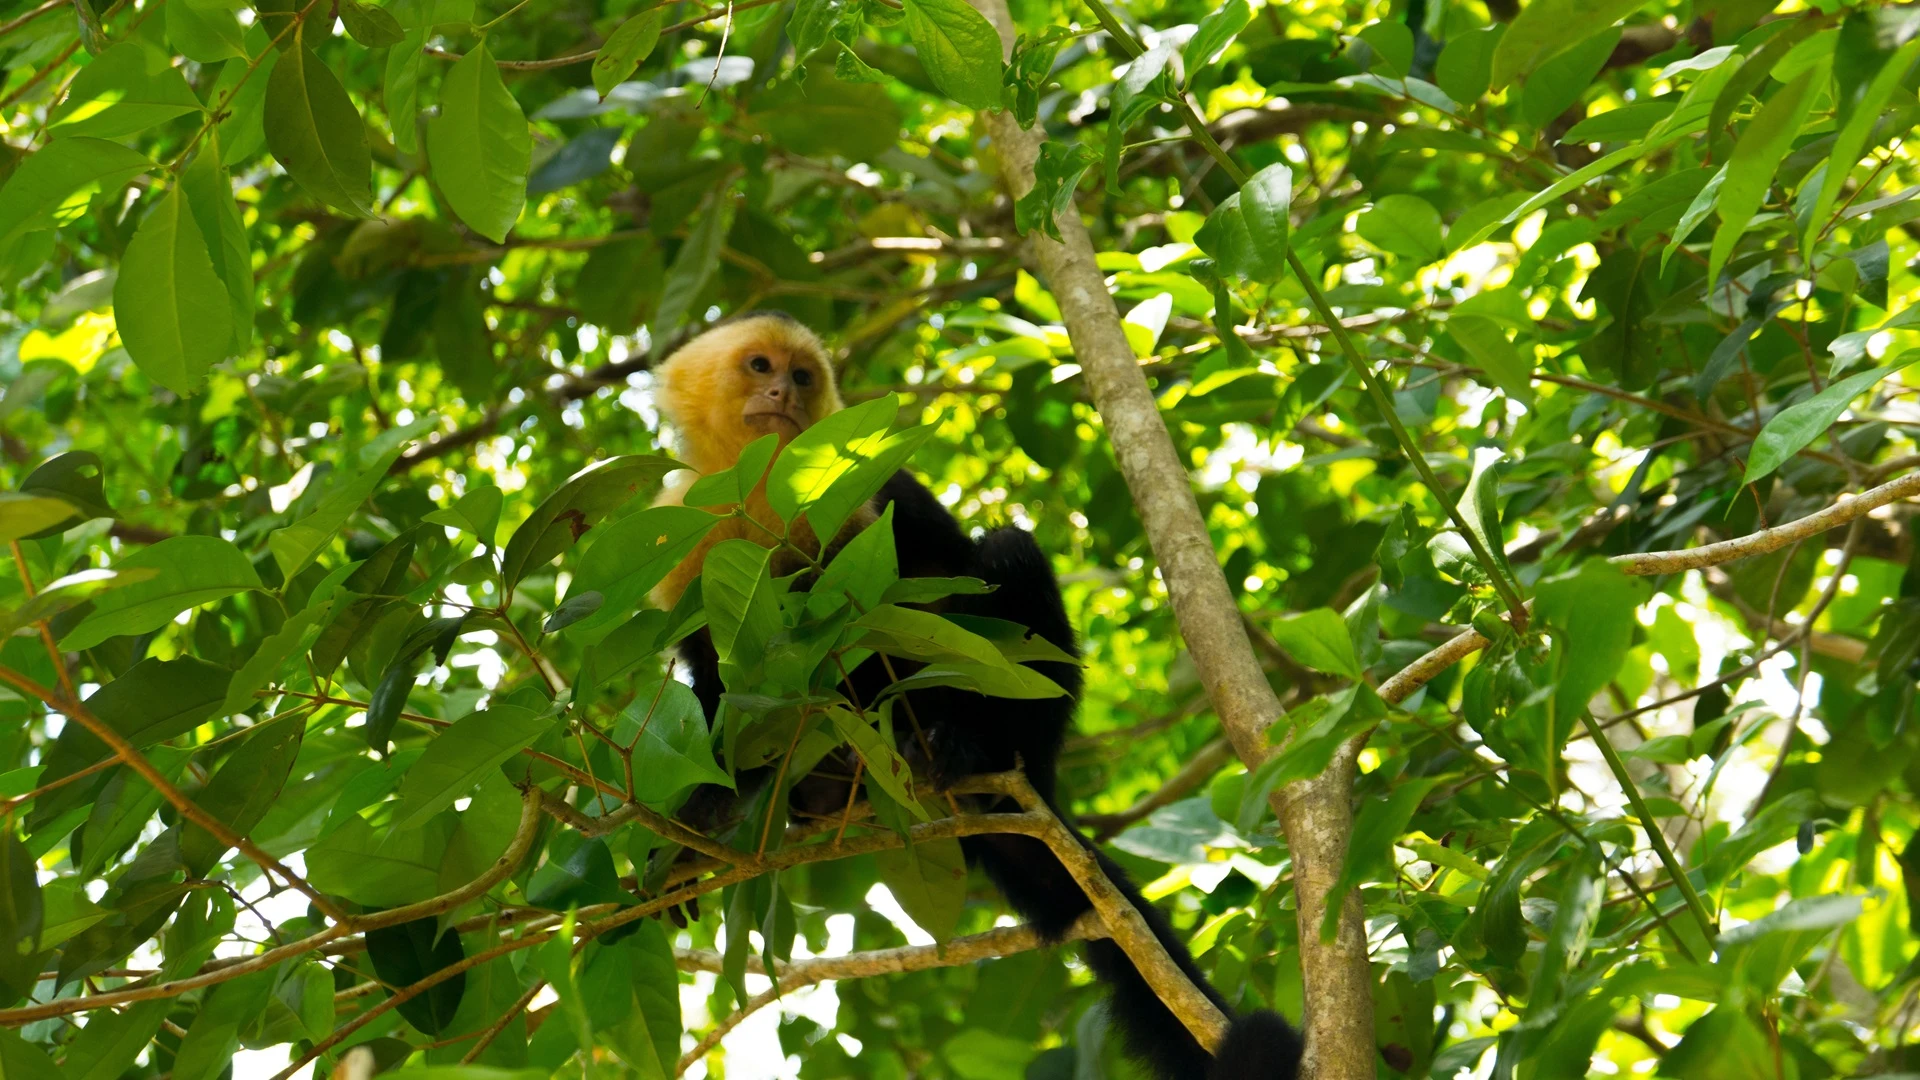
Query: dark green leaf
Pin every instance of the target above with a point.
(316, 133)
(409, 952)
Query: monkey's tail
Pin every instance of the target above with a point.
(1260, 1045)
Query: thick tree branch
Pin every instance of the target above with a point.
(1124, 923)
(1843, 510)
(1316, 814)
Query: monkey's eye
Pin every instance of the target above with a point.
(760, 364)
(802, 377)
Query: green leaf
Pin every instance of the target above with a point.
(1392, 46)
(814, 22)
(1465, 67)
(209, 192)
(1265, 201)
(672, 749)
(114, 1041)
(41, 191)
(1318, 639)
(189, 571)
(742, 610)
(885, 766)
(1486, 344)
(1404, 225)
(585, 876)
(205, 32)
(75, 477)
(829, 115)
(1794, 427)
(1756, 157)
(566, 515)
(22, 910)
(1215, 32)
(374, 27)
(655, 981)
(480, 146)
(632, 555)
(22, 1060)
(862, 572)
(834, 467)
(1592, 609)
(730, 487)
(125, 90)
(209, 1046)
(929, 879)
(922, 635)
(477, 512)
(1851, 141)
(1370, 850)
(295, 547)
(241, 791)
(695, 264)
(402, 89)
(65, 593)
(294, 636)
(459, 756)
(1056, 175)
(173, 310)
(317, 135)
(1016, 681)
(1547, 28)
(381, 869)
(1314, 731)
(407, 953)
(23, 515)
(626, 48)
(959, 48)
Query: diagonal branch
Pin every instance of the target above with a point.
(1124, 922)
(133, 759)
(220, 971)
(1844, 509)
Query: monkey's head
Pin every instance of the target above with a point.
(747, 377)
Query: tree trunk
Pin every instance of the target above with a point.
(1315, 814)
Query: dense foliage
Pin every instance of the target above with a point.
(334, 714)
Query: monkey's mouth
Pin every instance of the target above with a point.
(766, 419)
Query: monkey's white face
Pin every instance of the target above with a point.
(782, 390)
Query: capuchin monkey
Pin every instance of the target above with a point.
(767, 372)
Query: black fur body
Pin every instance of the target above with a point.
(969, 734)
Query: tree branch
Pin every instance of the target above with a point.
(220, 971)
(1843, 510)
(1192, 776)
(1004, 941)
(1316, 814)
(1124, 922)
(133, 759)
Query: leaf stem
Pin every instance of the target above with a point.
(1509, 595)
(1651, 826)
